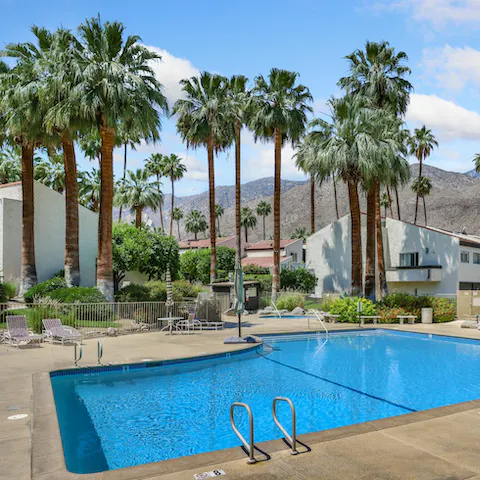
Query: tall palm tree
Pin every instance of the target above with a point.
(154, 164)
(113, 81)
(424, 189)
(237, 101)
(90, 188)
(219, 211)
(422, 144)
(10, 165)
(174, 169)
(195, 222)
(177, 216)
(137, 192)
(264, 209)
(202, 122)
(279, 110)
(249, 220)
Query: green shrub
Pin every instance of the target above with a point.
(300, 280)
(133, 293)
(77, 295)
(265, 282)
(290, 301)
(3, 294)
(183, 289)
(443, 310)
(346, 307)
(158, 290)
(326, 303)
(10, 289)
(255, 270)
(44, 289)
(389, 314)
(195, 264)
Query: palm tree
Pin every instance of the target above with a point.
(422, 144)
(384, 202)
(202, 122)
(423, 190)
(10, 165)
(138, 193)
(50, 172)
(249, 220)
(177, 216)
(279, 110)
(300, 232)
(476, 161)
(90, 143)
(113, 81)
(89, 189)
(195, 222)
(219, 211)
(154, 164)
(174, 169)
(263, 210)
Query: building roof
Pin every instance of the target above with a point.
(202, 243)
(10, 184)
(268, 244)
(264, 262)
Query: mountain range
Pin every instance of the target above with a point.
(454, 203)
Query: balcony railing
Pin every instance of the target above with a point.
(422, 273)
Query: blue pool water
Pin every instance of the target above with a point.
(117, 419)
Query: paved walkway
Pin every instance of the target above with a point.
(439, 444)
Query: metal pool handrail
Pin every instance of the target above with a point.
(99, 352)
(318, 318)
(276, 309)
(249, 446)
(293, 438)
(77, 358)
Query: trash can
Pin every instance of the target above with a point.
(427, 315)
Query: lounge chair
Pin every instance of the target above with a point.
(56, 332)
(17, 332)
(191, 323)
(205, 324)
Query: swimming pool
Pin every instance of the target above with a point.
(135, 415)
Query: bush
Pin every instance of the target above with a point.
(44, 289)
(443, 310)
(389, 314)
(300, 280)
(195, 264)
(255, 270)
(77, 295)
(183, 289)
(133, 293)
(346, 307)
(265, 282)
(9, 289)
(290, 301)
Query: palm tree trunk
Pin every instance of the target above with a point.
(335, 194)
(178, 229)
(398, 202)
(72, 256)
(160, 203)
(382, 279)
(370, 277)
(138, 217)
(173, 206)
(238, 198)
(104, 263)
(424, 210)
(195, 235)
(211, 191)
(312, 204)
(218, 226)
(276, 215)
(263, 217)
(357, 260)
(246, 235)
(29, 271)
(389, 202)
(418, 189)
(124, 175)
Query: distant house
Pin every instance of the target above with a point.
(49, 234)
(229, 242)
(261, 254)
(418, 260)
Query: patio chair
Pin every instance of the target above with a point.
(56, 332)
(17, 332)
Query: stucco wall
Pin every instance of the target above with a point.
(10, 238)
(469, 272)
(296, 247)
(49, 234)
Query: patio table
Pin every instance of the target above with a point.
(171, 324)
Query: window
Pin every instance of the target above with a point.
(294, 257)
(464, 257)
(409, 259)
(476, 258)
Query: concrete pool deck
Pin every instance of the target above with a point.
(436, 444)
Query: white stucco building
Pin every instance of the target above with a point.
(49, 234)
(418, 260)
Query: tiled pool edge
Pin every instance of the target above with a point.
(47, 458)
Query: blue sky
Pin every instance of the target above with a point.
(307, 36)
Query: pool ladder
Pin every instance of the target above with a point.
(249, 446)
(319, 318)
(78, 353)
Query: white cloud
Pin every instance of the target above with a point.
(196, 169)
(453, 68)
(437, 12)
(447, 119)
(170, 70)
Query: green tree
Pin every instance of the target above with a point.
(195, 222)
(279, 110)
(249, 220)
(51, 172)
(264, 209)
(174, 169)
(384, 203)
(89, 189)
(422, 144)
(201, 122)
(154, 164)
(10, 165)
(177, 216)
(300, 232)
(424, 189)
(137, 192)
(219, 211)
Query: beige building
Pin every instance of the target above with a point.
(49, 234)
